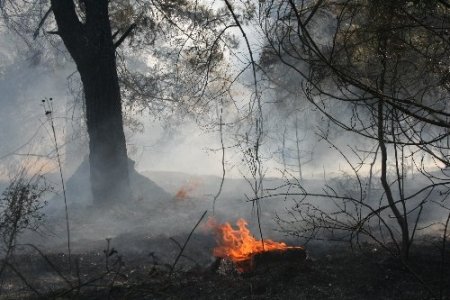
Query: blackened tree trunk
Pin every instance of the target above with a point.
(91, 45)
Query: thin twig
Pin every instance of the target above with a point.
(48, 261)
(58, 156)
(41, 23)
(223, 161)
(24, 280)
(125, 35)
(186, 242)
(258, 187)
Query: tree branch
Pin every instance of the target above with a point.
(41, 23)
(56, 32)
(69, 26)
(125, 35)
(115, 34)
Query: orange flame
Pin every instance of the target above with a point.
(187, 189)
(239, 245)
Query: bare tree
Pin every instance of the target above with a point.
(387, 63)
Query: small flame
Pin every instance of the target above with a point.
(239, 245)
(186, 189)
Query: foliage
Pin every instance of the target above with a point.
(20, 207)
(173, 57)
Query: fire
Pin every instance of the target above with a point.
(187, 189)
(239, 245)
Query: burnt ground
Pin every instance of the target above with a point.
(138, 264)
(331, 271)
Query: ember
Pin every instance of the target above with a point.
(239, 245)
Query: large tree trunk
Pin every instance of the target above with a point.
(108, 153)
(92, 48)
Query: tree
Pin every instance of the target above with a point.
(92, 47)
(387, 62)
(92, 31)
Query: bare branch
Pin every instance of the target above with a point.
(41, 23)
(125, 35)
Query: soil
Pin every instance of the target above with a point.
(330, 271)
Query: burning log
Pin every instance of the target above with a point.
(248, 254)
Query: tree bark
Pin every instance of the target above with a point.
(108, 154)
(91, 46)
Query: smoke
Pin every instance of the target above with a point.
(162, 151)
(171, 154)
(178, 147)
(181, 148)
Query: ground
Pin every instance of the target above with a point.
(331, 271)
(128, 252)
